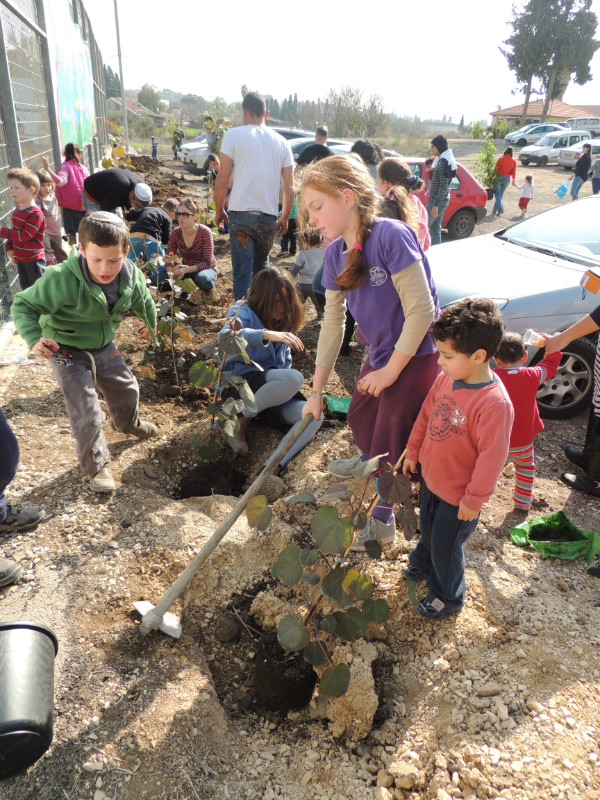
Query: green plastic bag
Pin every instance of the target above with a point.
(338, 406)
(556, 536)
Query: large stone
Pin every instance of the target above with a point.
(488, 689)
(405, 775)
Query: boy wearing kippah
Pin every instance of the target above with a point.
(70, 316)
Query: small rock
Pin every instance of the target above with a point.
(226, 628)
(533, 705)
(502, 711)
(385, 778)
(489, 689)
(405, 775)
(93, 766)
(99, 795)
(381, 793)
(577, 651)
(570, 723)
(441, 664)
(99, 783)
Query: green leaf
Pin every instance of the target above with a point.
(197, 440)
(351, 624)
(229, 379)
(408, 519)
(291, 634)
(232, 343)
(373, 549)
(231, 407)
(302, 497)
(181, 362)
(376, 610)
(287, 567)
(247, 396)
(332, 586)
(164, 327)
(309, 557)
(259, 513)
(209, 351)
(339, 491)
(393, 488)
(359, 521)
(311, 577)
(210, 451)
(335, 681)
(315, 653)
(186, 285)
(332, 535)
(358, 585)
(203, 374)
(164, 308)
(328, 623)
(365, 468)
(214, 410)
(230, 427)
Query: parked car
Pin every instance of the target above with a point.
(534, 134)
(467, 200)
(338, 146)
(193, 154)
(524, 129)
(568, 157)
(549, 146)
(591, 124)
(292, 133)
(532, 271)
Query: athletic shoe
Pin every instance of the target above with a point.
(281, 253)
(10, 571)
(342, 467)
(413, 574)
(144, 430)
(431, 607)
(103, 481)
(19, 519)
(375, 530)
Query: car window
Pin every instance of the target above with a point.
(573, 139)
(455, 182)
(596, 148)
(570, 229)
(562, 141)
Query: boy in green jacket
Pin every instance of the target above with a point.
(70, 316)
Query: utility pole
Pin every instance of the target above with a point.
(125, 126)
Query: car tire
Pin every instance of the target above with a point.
(524, 161)
(522, 142)
(462, 224)
(543, 161)
(567, 168)
(570, 391)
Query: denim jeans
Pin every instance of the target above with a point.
(499, 193)
(317, 286)
(435, 225)
(576, 186)
(9, 447)
(205, 279)
(250, 239)
(144, 246)
(440, 548)
(595, 185)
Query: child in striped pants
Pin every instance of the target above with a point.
(522, 384)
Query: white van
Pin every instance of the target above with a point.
(591, 124)
(549, 146)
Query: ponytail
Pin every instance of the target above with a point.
(356, 266)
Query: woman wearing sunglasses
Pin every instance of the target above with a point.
(194, 243)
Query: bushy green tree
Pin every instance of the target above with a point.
(149, 96)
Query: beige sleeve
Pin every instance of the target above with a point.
(332, 328)
(417, 303)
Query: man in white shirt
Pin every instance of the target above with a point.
(258, 159)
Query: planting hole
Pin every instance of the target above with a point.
(212, 477)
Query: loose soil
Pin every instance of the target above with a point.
(498, 702)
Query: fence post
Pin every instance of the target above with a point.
(52, 110)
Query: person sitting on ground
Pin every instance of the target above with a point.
(69, 188)
(55, 253)
(397, 185)
(522, 384)
(461, 440)
(149, 232)
(25, 237)
(70, 316)
(269, 321)
(316, 151)
(113, 189)
(308, 262)
(194, 243)
(170, 207)
(11, 517)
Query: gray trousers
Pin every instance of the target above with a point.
(80, 374)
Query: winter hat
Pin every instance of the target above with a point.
(143, 192)
(440, 142)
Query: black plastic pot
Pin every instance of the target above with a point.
(490, 193)
(27, 652)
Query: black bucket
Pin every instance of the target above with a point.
(27, 652)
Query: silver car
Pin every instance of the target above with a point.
(568, 157)
(532, 271)
(521, 138)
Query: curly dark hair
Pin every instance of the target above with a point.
(511, 349)
(469, 325)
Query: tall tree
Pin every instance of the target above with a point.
(112, 84)
(149, 96)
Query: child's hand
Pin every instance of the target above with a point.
(285, 337)
(314, 406)
(466, 513)
(375, 382)
(45, 163)
(45, 347)
(409, 467)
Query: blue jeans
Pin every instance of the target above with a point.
(440, 548)
(435, 225)
(499, 193)
(9, 448)
(576, 186)
(250, 239)
(595, 185)
(205, 279)
(317, 286)
(145, 247)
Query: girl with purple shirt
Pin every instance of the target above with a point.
(377, 269)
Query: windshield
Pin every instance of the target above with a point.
(548, 139)
(570, 231)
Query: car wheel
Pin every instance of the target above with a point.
(461, 225)
(570, 390)
(567, 168)
(543, 161)
(522, 142)
(524, 161)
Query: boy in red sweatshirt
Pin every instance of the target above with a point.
(25, 245)
(522, 384)
(461, 440)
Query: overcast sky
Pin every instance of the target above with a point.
(423, 58)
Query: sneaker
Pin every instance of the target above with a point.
(375, 530)
(342, 467)
(144, 430)
(281, 253)
(10, 571)
(414, 574)
(103, 481)
(18, 519)
(431, 607)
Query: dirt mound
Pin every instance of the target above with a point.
(144, 164)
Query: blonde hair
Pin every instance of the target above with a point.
(190, 204)
(332, 176)
(25, 176)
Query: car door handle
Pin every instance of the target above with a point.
(459, 194)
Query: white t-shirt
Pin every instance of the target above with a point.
(258, 154)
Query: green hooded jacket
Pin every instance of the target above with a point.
(63, 306)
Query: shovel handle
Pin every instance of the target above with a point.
(152, 619)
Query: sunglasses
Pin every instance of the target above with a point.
(184, 214)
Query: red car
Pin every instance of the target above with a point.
(467, 200)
